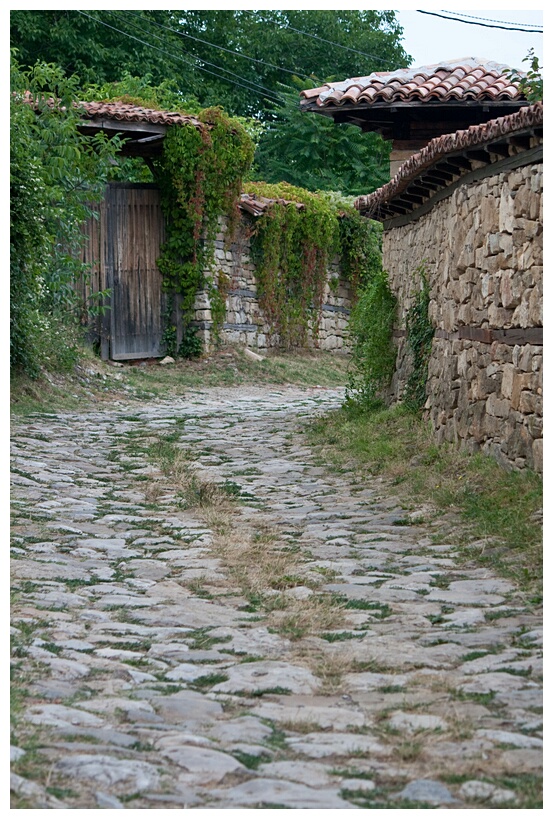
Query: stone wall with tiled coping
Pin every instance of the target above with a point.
(244, 322)
(482, 251)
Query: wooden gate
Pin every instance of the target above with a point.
(122, 249)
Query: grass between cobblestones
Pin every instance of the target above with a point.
(494, 513)
(93, 379)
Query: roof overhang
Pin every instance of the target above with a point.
(141, 138)
(415, 120)
(454, 159)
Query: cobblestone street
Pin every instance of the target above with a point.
(303, 643)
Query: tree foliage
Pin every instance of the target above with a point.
(530, 82)
(202, 50)
(251, 63)
(313, 152)
(55, 173)
(371, 328)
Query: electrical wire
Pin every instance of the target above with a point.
(228, 50)
(206, 62)
(489, 20)
(270, 94)
(484, 25)
(322, 39)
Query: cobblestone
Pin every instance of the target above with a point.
(292, 647)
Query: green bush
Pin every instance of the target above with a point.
(55, 172)
(420, 333)
(371, 326)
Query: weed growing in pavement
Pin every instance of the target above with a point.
(207, 681)
(470, 494)
(251, 761)
(340, 636)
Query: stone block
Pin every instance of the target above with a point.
(510, 289)
(522, 202)
(489, 213)
(537, 455)
(507, 381)
(483, 386)
(492, 246)
(521, 315)
(530, 227)
(501, 317)
(530, 402)
(524, 257)
(501, 353)
(526, 356)
(487, 285)
(506, 211)
(535, 307)
(535, 425)
(506, 245)
(497, 407)
(464, 251)
(521, 382)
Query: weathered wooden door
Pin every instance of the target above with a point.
(133, 231)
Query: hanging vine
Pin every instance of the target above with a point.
(200, 177)
(293, 245)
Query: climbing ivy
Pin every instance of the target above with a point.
(293, 248)
(200, 177)
(420, 333)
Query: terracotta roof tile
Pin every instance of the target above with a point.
(126, 112)
(256, 205)
(465, 78)
(528, 117)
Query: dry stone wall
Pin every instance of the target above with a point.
(245, 323)
(482, 251)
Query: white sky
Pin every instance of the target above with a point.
(431, 39)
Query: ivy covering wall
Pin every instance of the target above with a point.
(294, 243)
(202, 173)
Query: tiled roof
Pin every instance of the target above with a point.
(126, 112)
(467, 78)
(528, 117)
(256, 205)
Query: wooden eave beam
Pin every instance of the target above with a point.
(412, 198)
(429, 182)
(439, 175)
(418, 188)
(394, 207)
(448, 167)
(522, 141)
(479, 155)
(461, 162)
(499, 148)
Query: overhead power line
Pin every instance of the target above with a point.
(484, 25)
(322, 39)
(271, 94)
(206, 62)
(228, 50)
(489, 20)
